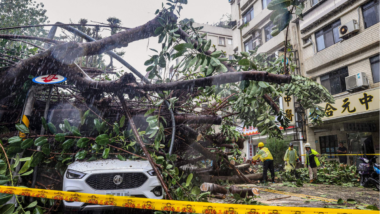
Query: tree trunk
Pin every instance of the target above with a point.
(235, 178)
(213, 188)
(243, 192)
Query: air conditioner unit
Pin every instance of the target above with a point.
(348, 28)
(357, 81)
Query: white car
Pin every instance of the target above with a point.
(110, 177)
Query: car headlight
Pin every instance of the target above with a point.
(152, 172)
(71, 174)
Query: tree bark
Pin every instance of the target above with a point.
(242, 192)
(213, 188)
(142, 145)
(235, 178)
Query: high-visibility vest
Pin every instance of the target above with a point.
(264, 154)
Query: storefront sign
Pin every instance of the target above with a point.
(49, 79)
(288, 107)
(250, 131)
(359, 103)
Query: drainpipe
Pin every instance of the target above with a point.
(301, 145)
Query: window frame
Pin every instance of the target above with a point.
(249, 13)
(331, 29)
(331, 140)
(221, 38)
(329, 78)
(370, 5)
(251, 43)
(312, 2)
(373, 61)
(266, 34)
(266, 3)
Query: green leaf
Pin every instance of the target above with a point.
(59, 137)
(67, 125)
(102, 139)
(22, 128)
(82, 143)
(105, 153)
(244, 54)
(122, 121)
(158, 30)
(4, 198)
(244, 62)
(216, 54)
(192, 62)
(27, 173)
(215, 62)
(26, 165)
(98, 125)
(52, 128)
(26, 143)
(340, 201)
(183, 47)
(83, 119)
(263, 84)
(46, 149)
(207, 46)
(150, 111)
(75, 131)
(31, 205)
(15, 139)
(222, 68)
(4, 179)
(68, 144)
(210, 70)
(189, 178)
(121, 157)
(81, 155)
(44, 123)
(196, 191)
(38, 210)
(7, 209)
(40, 141)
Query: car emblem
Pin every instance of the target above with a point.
(117, 179)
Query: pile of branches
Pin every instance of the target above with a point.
(329, 173)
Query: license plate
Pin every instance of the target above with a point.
(126, 193)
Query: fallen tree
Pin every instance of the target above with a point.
(162, 118)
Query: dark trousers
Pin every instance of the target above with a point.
(268, 164)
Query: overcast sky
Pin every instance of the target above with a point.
(132, 14)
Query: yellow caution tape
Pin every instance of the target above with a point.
(171, 205)
(25, 120)
(345, 154)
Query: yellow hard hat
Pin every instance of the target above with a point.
(261, 144)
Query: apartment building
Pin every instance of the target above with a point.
(253, 30)
(338, 42)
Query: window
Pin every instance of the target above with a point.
(222, 41)
(371, 13)
(248, 45)
(375, 68)
(229, 41)
(314, 2)
(230, 57)
(329, 145)
(335, 81)
(265, 3)
(248, 16)
(268, 30)
(328, 36)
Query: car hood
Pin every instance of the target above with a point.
(109, 164)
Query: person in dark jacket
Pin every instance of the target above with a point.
(342, 150)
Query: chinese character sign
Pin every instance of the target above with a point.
(358, 103)
(288, 107)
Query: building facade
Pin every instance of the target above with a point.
(337, 45)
